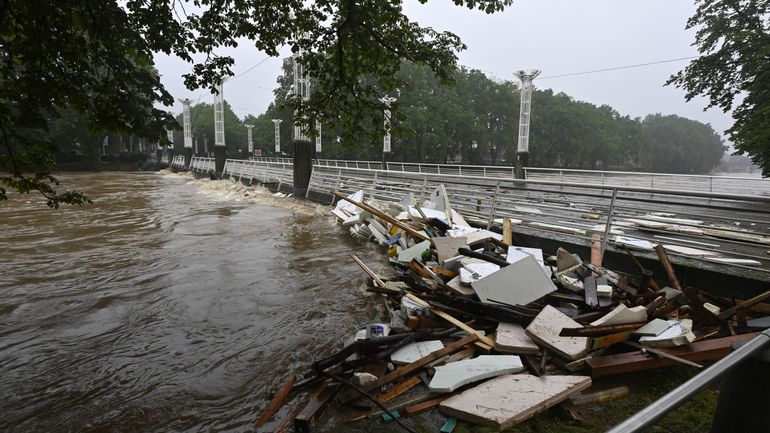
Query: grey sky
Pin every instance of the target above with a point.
(556, 36)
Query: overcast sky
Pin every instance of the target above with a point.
(555, 36)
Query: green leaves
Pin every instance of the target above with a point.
(733, 38)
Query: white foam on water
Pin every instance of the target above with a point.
(228, 190)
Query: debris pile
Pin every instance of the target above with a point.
(493, 333)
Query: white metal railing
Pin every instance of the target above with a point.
(495, 171)
(200, 164)
(178, 161)
(690, 182)
(370, 165)
(580, 210)
(281, 173)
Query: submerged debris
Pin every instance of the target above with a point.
(493, 333)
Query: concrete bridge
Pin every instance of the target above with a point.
(716, 228)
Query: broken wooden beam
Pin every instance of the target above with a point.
(384, 216)
(724, 315)
(668, 267)
(598, 331)
(635, 361)
(277, 401)
(316, 404)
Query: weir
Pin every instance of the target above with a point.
(718, 232)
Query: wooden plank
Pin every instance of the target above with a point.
(598, 331)
(507, 232)
(635, 361)
(399, 389)
(289, 419)
(315, 406)
(413, 367)
(426, 405)
(668, 267)
(277, 401)
(600, 396)
(377, 280)
(596, 250)
(383, 216)
(743, 305)
(589, 290)
(488, 344)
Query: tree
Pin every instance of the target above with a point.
(100, 63)
(733, 38)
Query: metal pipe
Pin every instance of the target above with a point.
(657, 410)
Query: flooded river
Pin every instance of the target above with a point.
(167, 305)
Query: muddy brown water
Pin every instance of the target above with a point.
(169, 305)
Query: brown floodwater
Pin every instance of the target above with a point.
(168, 305)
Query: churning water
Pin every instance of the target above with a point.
(170, 304)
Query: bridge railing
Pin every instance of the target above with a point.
(582, 211)
(200, 164)
(259, 171)
(178, 161)
(453, 169)
(690, 182)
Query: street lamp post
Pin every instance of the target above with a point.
(187, 128)
(277, 123)
(250, 142)
(522, 149)
(219, 129)
(386, 127)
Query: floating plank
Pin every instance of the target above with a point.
(315, 406)
(545, 329)
(414, 351)
(516, 284)
(635, 361)
(277, 400)
(508, 400)
(451, 376)
(384, 216)
(511, 338)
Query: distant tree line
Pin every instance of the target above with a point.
(475, 121)
(472, 121)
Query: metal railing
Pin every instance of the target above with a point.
(200, 164)
(690, 182)
(659, 408)
(264, 172)
(178, 161)
(712, 223)
(454, 169)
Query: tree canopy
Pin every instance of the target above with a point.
(733, 70)
(96, 57)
